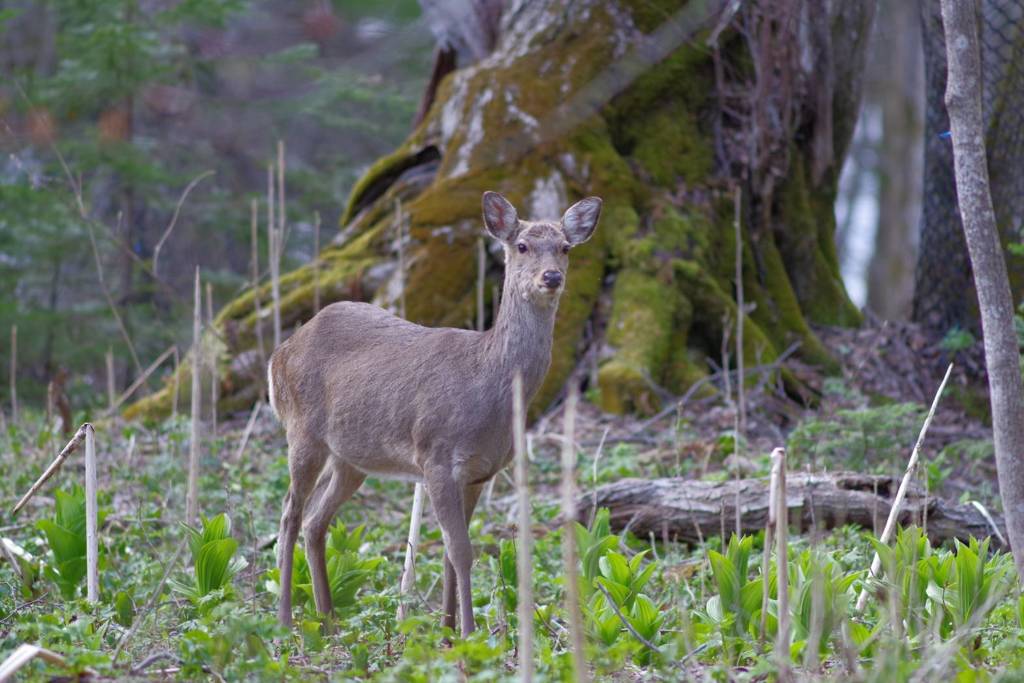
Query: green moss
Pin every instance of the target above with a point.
(650, 14)
(671, 146)
(811, 265)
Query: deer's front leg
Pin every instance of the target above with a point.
(447, 498)
(470, 496)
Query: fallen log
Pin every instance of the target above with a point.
(688, 510)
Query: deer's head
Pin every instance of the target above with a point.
(537, 252)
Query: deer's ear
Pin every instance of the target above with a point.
(500, 217)
(580, 220)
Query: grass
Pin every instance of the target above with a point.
(651, 611)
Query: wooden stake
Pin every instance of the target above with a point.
(409, 569)
(524, 552)
(175, 383)
(14, 374)
(281, 219)
(192, 498)
(111, 383)
(740, 313)
(91, 537)
(569, 554)
(212, 360)
(901, 492)
(316, 262)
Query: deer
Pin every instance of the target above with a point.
(362, 392)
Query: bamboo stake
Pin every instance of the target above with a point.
(211, 358)
(768, 540)
(192, 498)
(14, 374)
(91, 538)
(316, 262)
(275, 263)
(569, 552)
(409, 568)
(525, 550)
(254, 238)
(901, 492)
(26, 652)
(68, 449)
(111, 390)
(481, 277)
(781, 554)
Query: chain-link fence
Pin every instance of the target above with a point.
(943, 289)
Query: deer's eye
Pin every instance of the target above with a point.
(565, 248)
(522, 248)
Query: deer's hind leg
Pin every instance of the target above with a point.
(450, 600)
(336, 485)
(306, 459)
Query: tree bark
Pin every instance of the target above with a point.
(1002, 357)
(694, 510)
(652, 110)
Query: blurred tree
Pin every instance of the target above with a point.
(664, 110)
(944, 287)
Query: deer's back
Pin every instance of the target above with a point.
(377, 389)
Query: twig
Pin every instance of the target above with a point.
(91, 538)
(126, 394)
(901, 492)
(625, 622)
(400, 229)
(569, 552)
(212, 360)
(255, 272)
(593, 480)
(524, 552)
(174, 218)
(151, 660)
(409, 569)
(176, 384)
(110, 299)
(24, 606)
(988, 518)
(191, 500)
(740, 313)
(144, 614)
(75, 442)
(111, 386)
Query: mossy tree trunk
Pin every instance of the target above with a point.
(663, 109)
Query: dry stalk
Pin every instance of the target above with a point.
(901, 492)
(111, 390)
(26, 652)
(781, 555)
(211, 358)
(126, 394)
(524, 553)
(316, 262)
(91, 538)
(409, 569)
(400, 231)
(572, 595)
(274, 256)
(150, 604)
(254, 239)
(175, 383)
(14, 374)
(192, 498)
(769, 531)
(75, 442)
(481, 281)
(281, 222)
(247, 432)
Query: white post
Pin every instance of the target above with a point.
(91, 538)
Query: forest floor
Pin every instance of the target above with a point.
(950, 611)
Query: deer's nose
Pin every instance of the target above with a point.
(552, 279)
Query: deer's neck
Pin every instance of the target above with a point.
(520, 339)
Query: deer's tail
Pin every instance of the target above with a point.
(270, 387)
